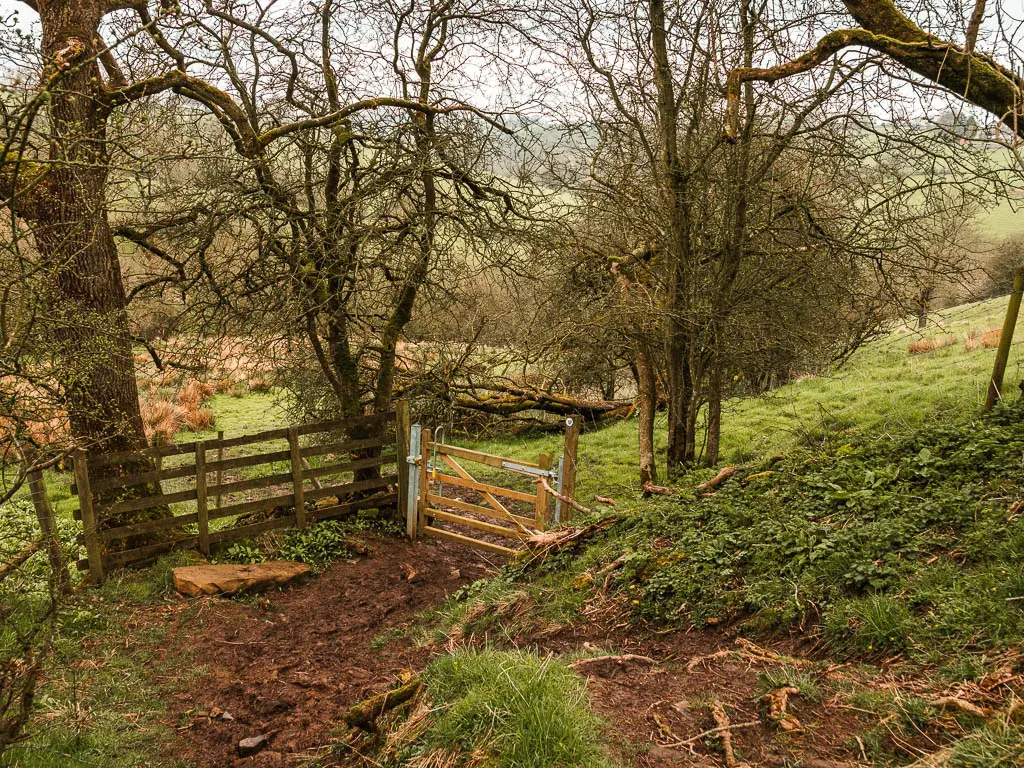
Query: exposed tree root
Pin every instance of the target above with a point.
(776, 704)
(364, 715)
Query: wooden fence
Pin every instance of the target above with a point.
(294, 474)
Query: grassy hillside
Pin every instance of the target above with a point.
(883, 389)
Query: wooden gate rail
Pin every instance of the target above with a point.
(305, 504)
(496, 514)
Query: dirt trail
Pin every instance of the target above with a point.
(292, 663)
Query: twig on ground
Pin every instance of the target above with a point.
(711, 732)
(562, 497)
(604, 500)
(626, 658)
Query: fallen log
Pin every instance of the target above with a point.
(364, 715)
(508, 399)
(724, 474)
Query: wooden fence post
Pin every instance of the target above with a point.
(572, 439)
(220, 458)
(421, 521)
(995, 384)
(300, 493)
(201, 508)
(44, 514)
(92, 544)
(402, 427)
(543, 497)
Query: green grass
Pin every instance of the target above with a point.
(881, 390)
(518, 710)
(100, 701)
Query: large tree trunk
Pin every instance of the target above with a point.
(68, 215)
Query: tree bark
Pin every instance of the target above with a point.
(972, 76)
(679, 383)
(67, 213)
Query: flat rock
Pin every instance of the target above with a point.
(195, 580)
(252, 745)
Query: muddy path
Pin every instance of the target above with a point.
(288, 663)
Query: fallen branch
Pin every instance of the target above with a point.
(724, 474)
(620, 661)
(711, 732)
(604, 500)
(549, 542)
(364, 714)
(19, 559)
(562, 497)
(650, 488)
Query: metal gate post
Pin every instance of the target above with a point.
(558, 499)
(413, 493)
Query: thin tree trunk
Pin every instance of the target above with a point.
(647, 385)
(714, 437)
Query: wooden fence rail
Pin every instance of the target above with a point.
(105, 491)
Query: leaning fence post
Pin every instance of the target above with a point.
(92, 544)
(300, 493)
(995, 384)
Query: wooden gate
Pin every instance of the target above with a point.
(510, 501)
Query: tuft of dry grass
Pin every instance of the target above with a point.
(259, 383)
(927, 345)
(224, 386)
(199, 419)
(162, 420)
(991, 337)
(972, 340)
(193, 394)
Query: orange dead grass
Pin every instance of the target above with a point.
(927, 345)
